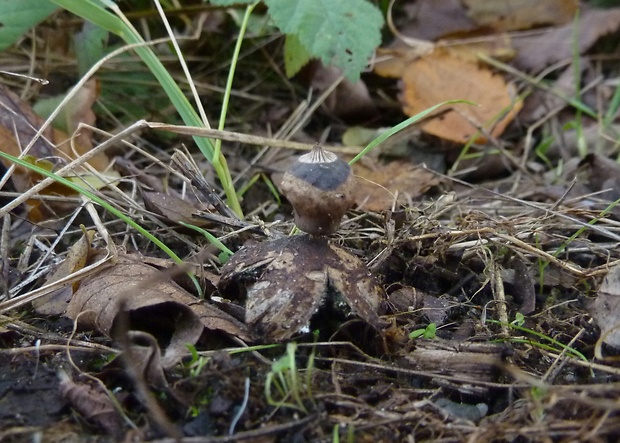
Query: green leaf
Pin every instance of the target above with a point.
(417, 333)
(90, 46)
(295, 55)
(342, 33)
(18, 16)
(430, 331)
(402, 125)
(519, 319)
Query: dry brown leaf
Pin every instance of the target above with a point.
(512, 15)
(602, 176)
(393, 62)
(349, 101)
(93, 404)
(19, 124)
(539, 51)
(376, 187)
(18, 120)
(438, 77)
(433, 19)
(605, 310)
(172, 207)
(77, 110)
(55, 303)
(498, 46)
(208, 280)
(154, 304)
(80, 110)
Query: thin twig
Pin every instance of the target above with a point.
(246, 138)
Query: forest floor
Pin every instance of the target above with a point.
(470, 294)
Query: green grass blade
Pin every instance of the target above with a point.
(212, 239)
(399, 127)
(612, 111)
(101, 202)
(94, 12)
(219, 161)
(560, 345)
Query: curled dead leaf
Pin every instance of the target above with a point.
(93, 404)
(144, 353)
(153, 304)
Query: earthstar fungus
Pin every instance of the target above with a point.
(320, 187)
(287, 283)
(284, 283)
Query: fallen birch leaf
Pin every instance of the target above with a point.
(439, 77)
(498, 46)
(393, 62)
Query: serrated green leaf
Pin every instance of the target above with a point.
(295, 55)
(342, 33)
(18, 16)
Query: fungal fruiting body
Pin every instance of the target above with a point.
(320, 187)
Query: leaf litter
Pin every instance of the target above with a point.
(514, 266)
